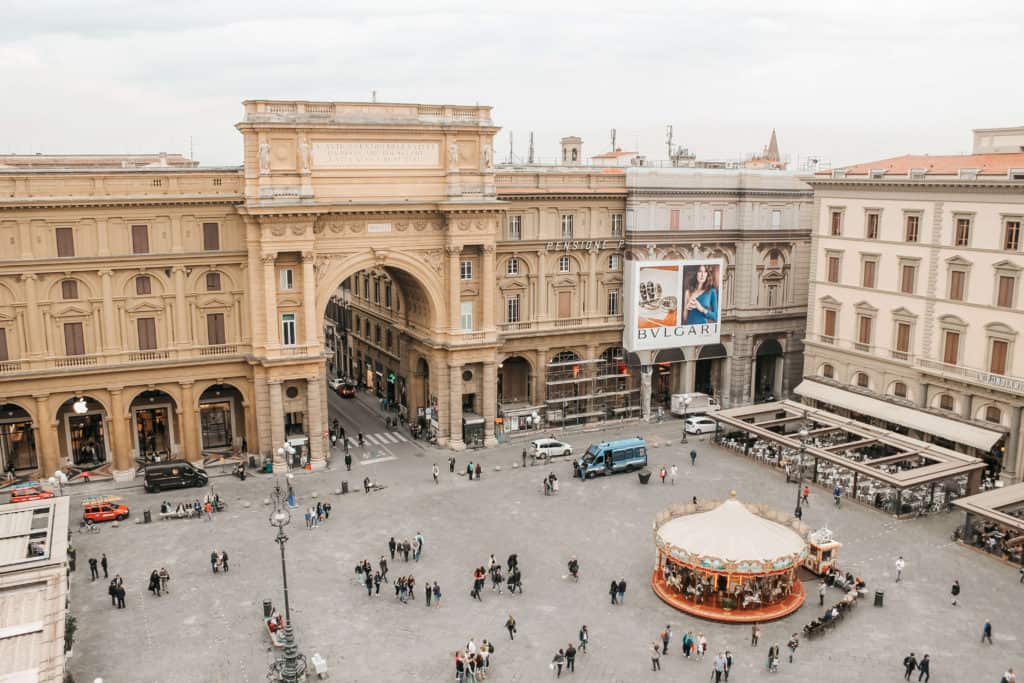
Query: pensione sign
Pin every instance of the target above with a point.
(584, 245)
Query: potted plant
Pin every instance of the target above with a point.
(644, 475)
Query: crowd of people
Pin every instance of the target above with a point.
(316, 515)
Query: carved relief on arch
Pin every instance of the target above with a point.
(435, 259)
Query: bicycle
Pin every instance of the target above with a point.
(88, 527)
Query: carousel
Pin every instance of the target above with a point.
(729, 562)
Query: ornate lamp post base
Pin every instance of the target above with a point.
(290, 668)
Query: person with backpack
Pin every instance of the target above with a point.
(510, 626)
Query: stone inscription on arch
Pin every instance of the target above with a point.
(366, 154)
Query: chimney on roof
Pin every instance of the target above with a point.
(772, 150)
(572, 151)
(998, 140)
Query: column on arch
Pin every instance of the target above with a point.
(121, 442)
(315, 422)
(277, 424)
(47, 443)
(191, 438)
(455, 407)
(490, 401)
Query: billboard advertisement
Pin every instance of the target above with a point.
(672, 304)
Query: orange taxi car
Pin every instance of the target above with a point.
(29, 490)
(104, 509)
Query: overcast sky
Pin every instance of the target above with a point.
(846, 81)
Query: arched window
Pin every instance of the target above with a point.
(899, 389)
(993, 414)
(862, 380)
(946, 402)
(828, 371)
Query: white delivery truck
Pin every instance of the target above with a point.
(700, 404)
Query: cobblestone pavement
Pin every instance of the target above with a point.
(209, 627)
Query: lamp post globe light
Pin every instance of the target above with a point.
(686, 406)
(800, 470)
(291, 668)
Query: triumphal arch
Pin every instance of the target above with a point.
(335, 188)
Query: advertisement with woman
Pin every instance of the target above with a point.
(672, 304)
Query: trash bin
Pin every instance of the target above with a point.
(644, 476)
(344, 487)
(879, 598)
(268, 609)
(146, 517)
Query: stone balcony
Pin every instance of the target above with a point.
(984, 378)
(13, 369)
(530, 327)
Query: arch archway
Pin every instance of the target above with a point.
(82, 435)
(17, 439)
(515, 380)
(222, 419)
(155, 432)
(767, 376)
(709, 370)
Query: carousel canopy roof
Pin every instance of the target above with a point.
(732, 533)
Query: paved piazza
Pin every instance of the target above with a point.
(210, 627)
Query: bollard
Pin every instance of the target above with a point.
(879, 598)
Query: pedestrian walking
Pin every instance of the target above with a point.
(1009, 677)
(662, 473)
(702, 645)
(900, 564)
(693, 457)
(478, 470)
(556, 663)
(793, 644)
(837, 494)
(622, 591)
(428, 592)
(154, 583)
(208, 509)
(773, 658)
(728, 664)
(755, 635)
(213, 562)
(718, 667)
(376, 583)
(451, 464)
(909, 666)
(437, 595)
(655, 657)
(510, 626)
(524, 457)
(687, 644)
(666, 636)
(93, 571)
(112, 592)
(165, 578)
(103, 563)
(924, 669)
(584, 638)
(805, 495)
(383, 564)
(570, 658)
(436, 472)
(614, 591)
(348, 458)
(822, 589)
(120, 596)
(955, 591)
(224, 560)
(391, 546)
(672, 473)
(986, 632)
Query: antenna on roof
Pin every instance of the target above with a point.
(191, 150)
(613, 139)
(529, 158)
(373, 95)
(510, 146)
(668, 140)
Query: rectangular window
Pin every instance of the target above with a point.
(673, 219)
(951, 348)
(717, 219)
(957, 279)
(864, 332)
(871, 231)
(832, 269)
(466, 270)
(566, 226)
(65, 242)
(143, 285)
(613, 262)
(613, 302)
(147, 333)
(513, 266)
(74, 339)
(376, 291)
(829, 328)
(1004, 291)
(563, 264)
(366, 287)
(963, 232)
(287, 278)
(515, 228)
(776, 219)
(376, 333)
(288, 329)
(1011, 236)
(908, 278)
(140, 239)
(902, 341)
(387, 294)
(215, 329)
(355, 286)
(211, 237)
(69, 289)
(837, 223)
(912, 228)
(213, 282)
(564, 304)
(512, 308)
(388, 339)
(466, 315)
(3, 345)
(997, 360)
(868, 277)
(616, 225)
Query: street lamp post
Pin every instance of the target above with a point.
(686, 407)
(292, 667)
(800, 471)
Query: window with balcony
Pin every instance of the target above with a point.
(862, 380)
(65, 242)
(951, 347)
(213, 282)
(512, 267)
(515, 228)
(211, 237)
(69, 290)
(869, 272)
(1011, 235)
(143, 285)
(832, 267)
(140, 239)
(466, 270)
(146, 328)
(871, 229)
(613, 302)
(617, 225)
(1006, 288)
(829, 317)
(614, 262)
(466, 315)
(74, 339)
(993, 414)
(962, 233)
(567, 220)
(288, 336)
(512, 308)
(999, 350)
(912, 227)
(563, 264)
(957, 284)
(901, 345)
(864, 326)
(836, 226)
(908, 278)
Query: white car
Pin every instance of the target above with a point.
(700, 425)
(548, 448)
(335, 382)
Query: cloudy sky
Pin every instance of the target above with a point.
(843, 80)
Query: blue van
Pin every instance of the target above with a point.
(612, 456)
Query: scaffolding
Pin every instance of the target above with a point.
(579, 391)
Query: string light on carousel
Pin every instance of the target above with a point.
(730, 561)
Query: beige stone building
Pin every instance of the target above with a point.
(915, 296)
